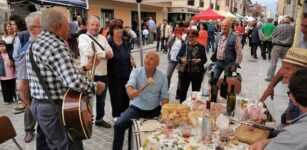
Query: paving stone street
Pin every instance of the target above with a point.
(252, 71)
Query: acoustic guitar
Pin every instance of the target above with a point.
(77, 111)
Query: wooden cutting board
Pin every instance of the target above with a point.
(250, 135)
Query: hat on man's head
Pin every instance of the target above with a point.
(296, 56)
(2, 42)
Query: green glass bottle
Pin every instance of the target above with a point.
(214, 89)
(231, 100)
(224, 88)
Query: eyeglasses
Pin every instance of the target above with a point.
(32, 27)
(191, 36)
(288, 93)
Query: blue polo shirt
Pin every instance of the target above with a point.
(150, 98)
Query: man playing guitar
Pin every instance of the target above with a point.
(50, 78)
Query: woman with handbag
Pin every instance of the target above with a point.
(191, 59)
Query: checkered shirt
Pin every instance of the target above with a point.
(56, 66)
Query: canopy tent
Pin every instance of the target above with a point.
(208, 14)
(68, 3)
(238, 16)
(226, 14)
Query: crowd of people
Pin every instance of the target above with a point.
(38, 53)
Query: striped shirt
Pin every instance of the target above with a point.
(221, 47)
(55, 63)
(283, 35)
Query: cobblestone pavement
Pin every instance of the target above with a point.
(253, 74)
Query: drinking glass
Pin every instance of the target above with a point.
(186, 131)
(169, 129)
(194, 95)
(225, 134)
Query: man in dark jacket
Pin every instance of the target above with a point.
(228, 50)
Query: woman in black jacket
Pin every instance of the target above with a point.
(192, 57)
(119, 68)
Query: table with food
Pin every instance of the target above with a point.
(199, 124)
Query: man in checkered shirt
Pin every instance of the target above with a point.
(55, 63)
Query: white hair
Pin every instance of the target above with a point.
(92, 18)
(51, 18)
(287, 19)
(31, 18)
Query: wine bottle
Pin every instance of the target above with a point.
(206, 128)
(214, 89)
(231, 100)
(208, 104)
(224, 88)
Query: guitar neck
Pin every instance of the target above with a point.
(94, 67)
(94, 62)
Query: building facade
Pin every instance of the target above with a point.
(281, 7)
(185, 10)
(234, 6)
(4, 12)
(290, 7)
(247, 8)
(127, 10)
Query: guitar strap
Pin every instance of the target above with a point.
(96, 42)
(39, 75)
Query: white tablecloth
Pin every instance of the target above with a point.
(158, 141)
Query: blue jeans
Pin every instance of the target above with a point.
(219, 67)
(51, 133)
(211, 42)
(100, 99)
(124, 122)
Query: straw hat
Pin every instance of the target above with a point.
(296, 56)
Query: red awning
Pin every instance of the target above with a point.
(208, 14)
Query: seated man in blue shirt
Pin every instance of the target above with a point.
(145, 104)
(293, 136)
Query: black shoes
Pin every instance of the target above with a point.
(102, 123)
(29, 137)
(268, 79)
(19, 109)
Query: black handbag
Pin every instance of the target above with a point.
(181, 67)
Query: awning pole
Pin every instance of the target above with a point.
(140, 33)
